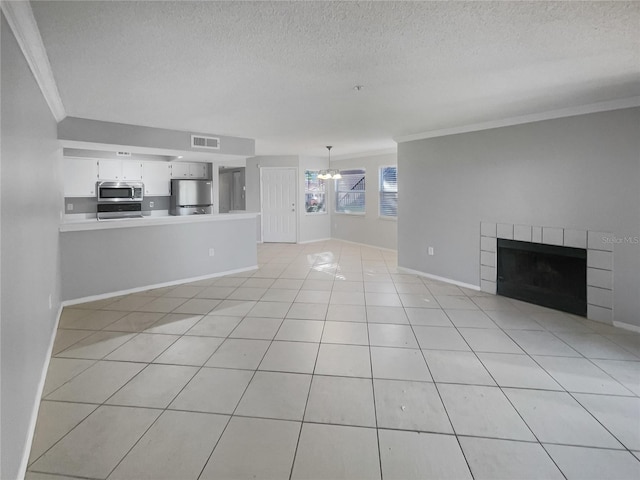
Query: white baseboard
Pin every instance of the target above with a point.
(314, 241)
(36, 406)
(441, 279)
(364, 244)
(43, 376)
(626, 326)
(102, 296)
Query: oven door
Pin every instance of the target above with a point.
(112, 211)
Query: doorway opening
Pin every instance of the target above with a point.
(232, 189)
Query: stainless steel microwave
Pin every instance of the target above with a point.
(119, 191)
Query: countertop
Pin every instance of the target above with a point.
(84, 224)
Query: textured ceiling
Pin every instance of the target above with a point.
(283, 72)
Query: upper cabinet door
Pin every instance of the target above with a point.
(156, 177)
(132, 171)
(179, 170)
(188, 170)
(120, 170)
(198, 170)
(110, 169)
(80, 177)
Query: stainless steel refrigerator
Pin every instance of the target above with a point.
(191, 197)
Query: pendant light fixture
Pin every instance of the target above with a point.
(329, 174)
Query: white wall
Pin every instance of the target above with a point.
(369, 228)
(31, 204)
(579, 172)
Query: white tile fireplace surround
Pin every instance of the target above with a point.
(599, 246)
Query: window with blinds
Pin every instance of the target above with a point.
(389, 192)
(314, 193)
(350, 191)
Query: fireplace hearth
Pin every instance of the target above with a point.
(548, 275)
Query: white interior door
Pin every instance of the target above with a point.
(279, 204)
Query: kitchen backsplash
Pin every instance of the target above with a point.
(74, 205)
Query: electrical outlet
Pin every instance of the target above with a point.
(70, 207)
(212, 252)
(430, 250)
(151, 204)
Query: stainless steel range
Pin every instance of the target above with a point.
(119, 200)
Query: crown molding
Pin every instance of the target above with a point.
(535, 117)
(24, 27)
(373, 153)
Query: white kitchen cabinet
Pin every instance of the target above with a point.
(131, 171)
(156, 177)
(109, 169)
(80, 177)
(180, 170)
(119, 170)
(198, 170)
(188, 170)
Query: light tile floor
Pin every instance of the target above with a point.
(329, 362)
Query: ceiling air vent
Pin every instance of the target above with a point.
(211, 143)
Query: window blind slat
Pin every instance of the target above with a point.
(389, 192)
(350, 192)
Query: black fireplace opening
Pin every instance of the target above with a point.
(547, 275)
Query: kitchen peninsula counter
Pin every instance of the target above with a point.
(82, 224)
(102, 259)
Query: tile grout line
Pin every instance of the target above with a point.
(509, 399)
(590, 360)
(565, 391)
(168, 404)
(163, 409)
(537, 442)
(255, 371)
(444, 406)
(373, 388)
(306, 404)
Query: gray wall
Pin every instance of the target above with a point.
(90, 204)
(369, 228)
(31, 200)
(96, 131)
(85, 153)
(99, 262)
(579, 172)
